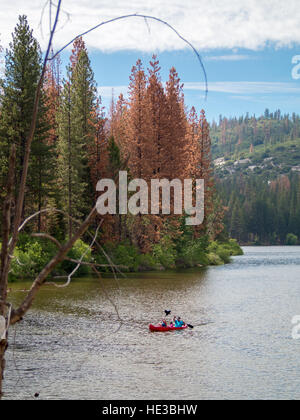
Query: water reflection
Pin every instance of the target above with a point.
(241, 345)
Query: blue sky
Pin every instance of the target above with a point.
(238, 82)
(247, 46)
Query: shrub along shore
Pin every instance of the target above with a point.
(32, 254)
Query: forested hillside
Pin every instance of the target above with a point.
(257, 165)
(150, 135)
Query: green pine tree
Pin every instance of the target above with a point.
(83, 97)
(76, 135)
(22, 72)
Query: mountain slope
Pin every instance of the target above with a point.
(257, 167)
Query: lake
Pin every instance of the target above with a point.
(241, 347)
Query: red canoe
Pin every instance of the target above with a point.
(163, 329)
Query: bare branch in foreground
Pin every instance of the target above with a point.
(145, 17)
(95, 264)
(47, 236)
(80, 260)
(40, 279)
(111, 264)
(5, 256)
(20, 200)
(79, 263)
(108, 297)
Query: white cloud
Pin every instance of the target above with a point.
(207, 24)
(106, 92)
(241, 88)
(229, 57)
(238, 90)
(246, 98)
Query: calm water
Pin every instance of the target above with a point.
(241, 346)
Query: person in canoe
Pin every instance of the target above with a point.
(164, 323)
(179, 322)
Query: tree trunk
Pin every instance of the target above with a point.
(9, 246)
(69, 165)
(3, 347)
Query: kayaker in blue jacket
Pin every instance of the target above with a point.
(177, 323)
(180, 323)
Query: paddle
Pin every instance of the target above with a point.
(167, 312)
